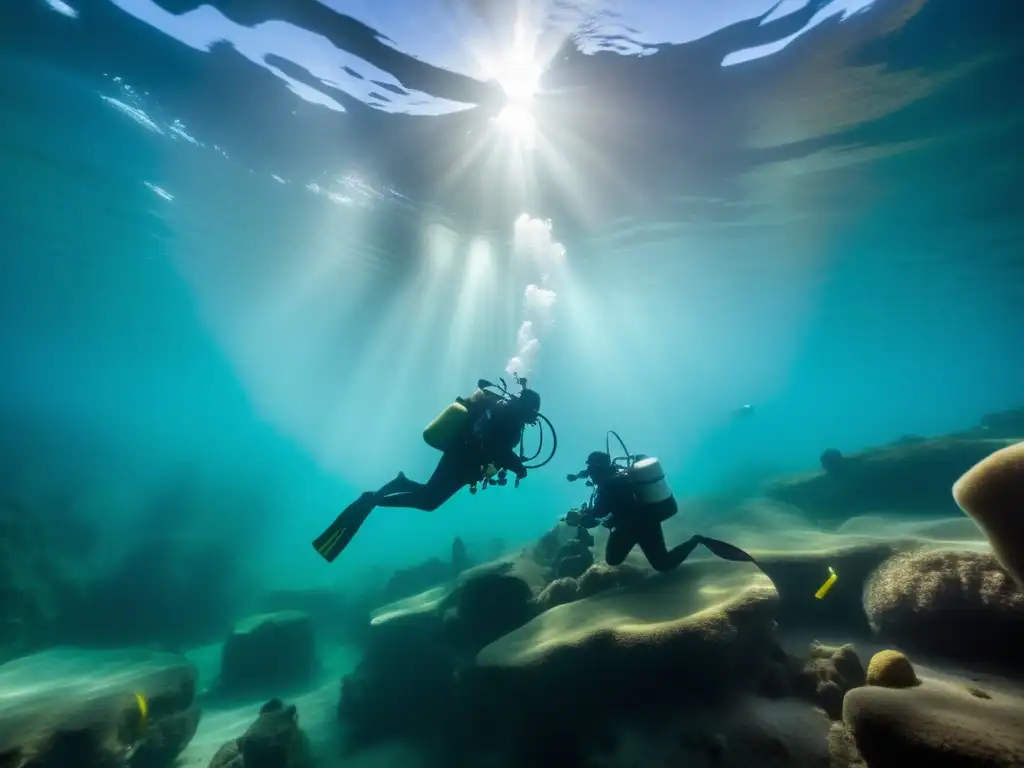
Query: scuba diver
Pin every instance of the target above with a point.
(632, 498)
(477, 437)
(742, 412)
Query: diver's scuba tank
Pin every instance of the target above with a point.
(651, 489)
(449, 425)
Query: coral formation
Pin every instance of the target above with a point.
(949, 603)
(891, 669)
(992, 493)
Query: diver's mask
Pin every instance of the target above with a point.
(599, 466)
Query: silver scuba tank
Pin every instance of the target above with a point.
(651, 489)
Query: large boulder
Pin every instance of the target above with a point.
(701, 628)
(271, 652)
(949, 603)
(70, 707)
(911, 476)
(274, 740)
(689, 639)
(408, 664)
(342, 614)
(935, 722)
(406, 681)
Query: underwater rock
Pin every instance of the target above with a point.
(268, 652)
(934, 723)
(406, 682)
(744, 733)
(573, 559)
(344, 616)
(406, 582)
(460, 558)
(274, 740)
(827, 675)
(1006, 424)
(697, 632)
(558, 592)
(831, 460)
(488, 606)
(992, 493)
(71, 707)
(601, 577)
(958, 604)
(410, 581)
(574, 566)
(544, 551)
(548, 548)
(910, 477)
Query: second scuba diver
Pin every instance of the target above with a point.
(633, 501)
(477, 436)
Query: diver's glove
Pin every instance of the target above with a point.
(573, 518)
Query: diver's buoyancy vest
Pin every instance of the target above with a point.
(651, 490)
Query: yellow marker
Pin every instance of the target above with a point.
(143, 708)
(824, 588)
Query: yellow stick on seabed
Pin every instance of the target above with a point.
(824, 588)
(143, 708)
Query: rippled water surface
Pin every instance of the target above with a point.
(271, 239)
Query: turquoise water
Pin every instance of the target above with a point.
(830, 238)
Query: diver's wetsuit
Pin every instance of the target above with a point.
(633, 525)
(495, 432)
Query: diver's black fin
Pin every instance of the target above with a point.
(726, 551)
(333, 541)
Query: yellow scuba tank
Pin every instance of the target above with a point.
(448, 426)
(651, 489)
